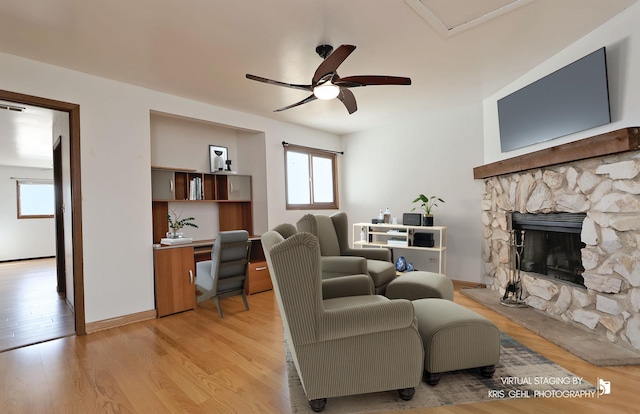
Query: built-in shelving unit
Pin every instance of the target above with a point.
(232, 193)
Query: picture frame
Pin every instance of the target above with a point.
(218, 156)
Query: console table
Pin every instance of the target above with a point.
(399, 236)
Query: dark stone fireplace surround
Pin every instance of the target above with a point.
(598, 176)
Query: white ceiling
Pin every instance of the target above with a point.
(26, 138)
(455, 51)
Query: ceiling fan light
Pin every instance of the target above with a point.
(326, 91)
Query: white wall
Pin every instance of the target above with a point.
(116, 177)
(621, 37)
(433, 155)
(252, 160)
(23, 238)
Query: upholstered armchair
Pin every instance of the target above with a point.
(339, 259)
(358, 283)
(225, 274)
(344, 345)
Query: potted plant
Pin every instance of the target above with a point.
(176, 223)
(427, 204)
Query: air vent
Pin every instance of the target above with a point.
(12, 107)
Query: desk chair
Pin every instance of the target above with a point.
(225, 274)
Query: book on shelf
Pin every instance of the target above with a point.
(196, 190)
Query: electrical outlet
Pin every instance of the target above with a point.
(433, 260)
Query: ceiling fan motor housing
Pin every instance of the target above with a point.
(324, 50)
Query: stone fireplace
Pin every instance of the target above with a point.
(605, 190)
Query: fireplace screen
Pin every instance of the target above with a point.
(552, 244)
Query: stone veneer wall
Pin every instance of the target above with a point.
(608, 190)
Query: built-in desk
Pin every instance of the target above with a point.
(174, 270)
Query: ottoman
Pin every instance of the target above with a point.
(455, 338)
(420, 285)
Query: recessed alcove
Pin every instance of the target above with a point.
(183, 143)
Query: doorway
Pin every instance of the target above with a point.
(69, 230)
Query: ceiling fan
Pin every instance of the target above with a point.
(326, 84)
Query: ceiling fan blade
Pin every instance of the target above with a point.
(304, 101)
(331, 63)
(277, 83)
(368, 80)
(348, 99)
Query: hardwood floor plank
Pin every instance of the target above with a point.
(31, 310)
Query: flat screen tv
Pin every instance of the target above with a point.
(569, 100)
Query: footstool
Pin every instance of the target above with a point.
(455, 338)
(420, 285)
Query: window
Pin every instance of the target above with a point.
(35, 199)
(311, 176)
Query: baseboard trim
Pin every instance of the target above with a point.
(120, 321)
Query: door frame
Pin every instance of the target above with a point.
(76, 192)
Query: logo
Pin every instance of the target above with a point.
(604, 387)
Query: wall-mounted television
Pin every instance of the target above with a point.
(569, 100)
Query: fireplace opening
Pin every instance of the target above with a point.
(552, 244)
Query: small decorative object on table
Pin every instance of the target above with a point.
(176, 223)
(427, 204)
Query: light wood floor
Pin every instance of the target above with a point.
(195, 362)
(31, 310)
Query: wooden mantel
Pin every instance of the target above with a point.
(621, 140)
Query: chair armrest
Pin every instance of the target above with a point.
(371, 253)
(334, 266)
(352, 285)
(367, 318)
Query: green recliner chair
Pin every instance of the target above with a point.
(343, 345)
(338, 258)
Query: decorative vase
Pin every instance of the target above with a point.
(427, 220)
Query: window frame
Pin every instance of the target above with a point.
(312, 152)
(22, 182)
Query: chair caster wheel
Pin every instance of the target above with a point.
(488, 371)
(431, 378)
(318, 405)
(406, 393)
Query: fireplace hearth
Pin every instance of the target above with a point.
(553, 245)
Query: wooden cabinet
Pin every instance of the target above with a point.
(231, 192)
(239, 187)
(258, 279)
(174, 272)
(162, 185)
